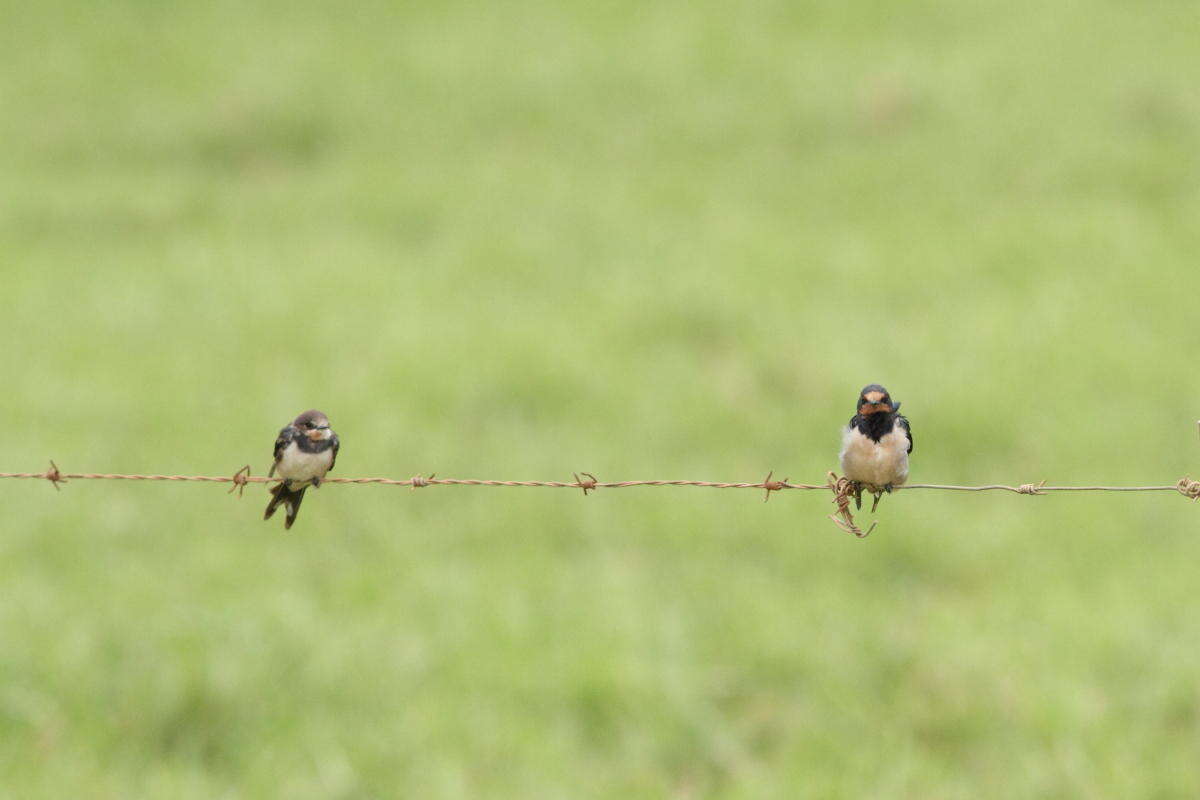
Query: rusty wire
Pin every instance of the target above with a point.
(844, 490)
(1186, 486)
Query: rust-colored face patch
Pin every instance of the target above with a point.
(315, 435)
(874, 402)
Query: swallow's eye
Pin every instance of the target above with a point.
(310, 425)
(886, 399)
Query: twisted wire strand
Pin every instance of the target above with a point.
(844, 490)
(1185, 486)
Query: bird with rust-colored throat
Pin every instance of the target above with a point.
(876, 445)
(304, 452)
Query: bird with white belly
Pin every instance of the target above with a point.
(304, 451)
(876, 445)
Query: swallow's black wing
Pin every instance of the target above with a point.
(285, 438)
(903, 423)
(336, 444)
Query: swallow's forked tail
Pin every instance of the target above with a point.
(289, 498)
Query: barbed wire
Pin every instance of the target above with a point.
(844, 489)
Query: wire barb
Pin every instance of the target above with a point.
(772, 486)
(1189, 488)
(240, 479)
(1031, 488)
(844, 491)
(589, 485)
(54, 476)
(419, 482)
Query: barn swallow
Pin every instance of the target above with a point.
(305, 450)
(876, 444)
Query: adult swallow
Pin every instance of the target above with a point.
(876, 444)
(305, 450)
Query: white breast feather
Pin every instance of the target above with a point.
(875, 463)
(297, 466)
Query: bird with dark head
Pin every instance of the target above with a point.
(304, 452)
(876, 444)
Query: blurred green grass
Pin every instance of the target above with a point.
(525, 239)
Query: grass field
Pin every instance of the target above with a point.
(667, 240)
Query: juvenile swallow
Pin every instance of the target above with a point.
(305, 450)
(876, 444)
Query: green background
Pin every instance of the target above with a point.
(669, 240)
